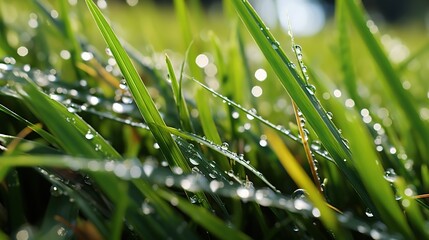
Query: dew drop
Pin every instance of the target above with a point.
(311, 89)
(194, 199)
(299, 193)
(369, 213)
(55, 191)
(297, 49)
(123, 85)
(89, 135)
(97, 147)
(264, 197)
(316, 212)
(390, 175)
(147, 208)
(194, 162)
(225, 146)
(275, 45)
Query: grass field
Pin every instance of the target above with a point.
(151, 122)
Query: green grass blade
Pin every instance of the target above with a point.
(182, 107)
(391, 78)
(309, 105)
(209, 126)
(220, 149)
(141, 95)
(138, 89)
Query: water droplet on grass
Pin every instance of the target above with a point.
(369, 213)
(98, 147)
(390, 175)
(89, 135)
(194, 162)
(55, 191)
(147, 208)
(297, 49)
(275, 45)
(311, 89)
(299, 193)
(225, 146)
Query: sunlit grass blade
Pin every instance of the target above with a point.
(298, 174)
(209, 126)
(141, 95)
(304, 98)
(391, 78)
(139, 91)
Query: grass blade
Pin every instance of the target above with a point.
(138, 89)
(300, 94)
(182, 108)
(220, 149)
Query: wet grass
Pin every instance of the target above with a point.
(176, 126)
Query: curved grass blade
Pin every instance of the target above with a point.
(139, 91)
(220, 149)
(300, 94)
